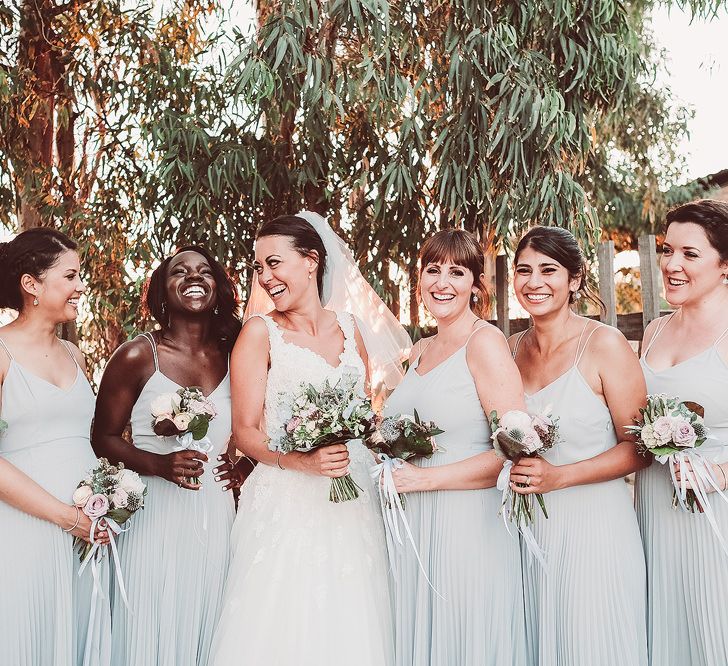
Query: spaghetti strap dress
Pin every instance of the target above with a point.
(175, 557)
(587, 607)
(687, 571)
(44, 604)
(471, 559)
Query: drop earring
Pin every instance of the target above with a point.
(725, 279)
(577, 295)
(475, 298)
(310, 275)
(164, 308)
(35, 301)
(216, 310)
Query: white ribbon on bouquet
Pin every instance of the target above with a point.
(503, 484)
(187, 442)
(392, 509)
(94, 557)
(695, 469)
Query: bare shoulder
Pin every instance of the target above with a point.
(607, 340)
(487, 344)
(253, 334)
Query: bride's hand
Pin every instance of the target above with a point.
(331, 461)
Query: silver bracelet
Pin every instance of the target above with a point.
(78, 520)
(278, 459)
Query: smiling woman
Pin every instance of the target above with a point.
(175, 593)
(47, 404)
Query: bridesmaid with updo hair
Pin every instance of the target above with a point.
(46, 409)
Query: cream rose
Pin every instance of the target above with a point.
(120, 498)
(182, 421)
(130, 481)
(81, 496)
(166, 403)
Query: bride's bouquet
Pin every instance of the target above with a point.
(325, 415)
(186, 415)
(519, 435)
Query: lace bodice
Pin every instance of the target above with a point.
(292, 366)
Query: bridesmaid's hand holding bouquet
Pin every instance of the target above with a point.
(186, 415)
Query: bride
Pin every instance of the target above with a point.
(308, 585)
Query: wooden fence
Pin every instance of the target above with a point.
(632, 325)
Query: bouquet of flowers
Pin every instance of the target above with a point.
(398, 438)
(110, 493)
(519, 435)
(186, 415)
(395, 439)
(325, 415)
(671, 431)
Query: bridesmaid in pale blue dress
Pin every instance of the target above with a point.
(455, 379)
(587, 606)
(175, 557)
(47, 404)
(686, 356)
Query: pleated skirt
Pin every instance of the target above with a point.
(44, 605)
(588, 606)
(687, 576)
(474, 565)
(174, 562)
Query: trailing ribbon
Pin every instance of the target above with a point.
(503, 484)
(695, 469)
(188, 443)
(95, 555)
(392, 509)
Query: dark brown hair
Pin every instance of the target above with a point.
(462, 248)
(560, 245)
(711, 215)
(225, 324)
(31, 252)
(304, 239)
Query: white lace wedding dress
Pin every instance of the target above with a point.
(308, 584)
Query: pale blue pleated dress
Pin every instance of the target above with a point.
(587, 608)
(175, 557)
(44, 605)
(472, 561)
(687, 572)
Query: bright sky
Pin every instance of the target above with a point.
(698, 75)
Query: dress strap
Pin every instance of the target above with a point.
(5, 347)
(474, 331)
(580, 352)
(153, 344)
(520, 337)
(66, 344)
(660, 327)
(720, 337)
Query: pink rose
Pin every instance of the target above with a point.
(293, 424)
(683, 434)
(662, 429)
(97, 506)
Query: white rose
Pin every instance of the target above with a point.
(81, 495)
(182, 421)
(516, 420)
(130, 482)
(531, 441)
(120, 498)
(165, 403)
